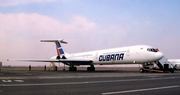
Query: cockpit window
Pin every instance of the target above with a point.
(152, 50)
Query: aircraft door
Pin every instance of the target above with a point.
(96, 56)
(128, 52)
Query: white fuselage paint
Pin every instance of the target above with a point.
(124, 55)
(174, 61)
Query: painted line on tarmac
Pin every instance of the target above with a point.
(19, 80)
(139, 90)
(6, 80)
(87, 82)
(9, 81)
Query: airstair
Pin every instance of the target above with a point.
(163, 66)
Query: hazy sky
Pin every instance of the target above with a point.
(87, 25)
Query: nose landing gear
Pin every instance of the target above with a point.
(150, 67)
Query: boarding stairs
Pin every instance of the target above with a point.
(163, 66)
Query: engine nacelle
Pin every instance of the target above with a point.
(56, 57)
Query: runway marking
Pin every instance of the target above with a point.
(19, 80)
(152, 76)
(138, 90)
(86, 82)
(6, 80)
(11, 80)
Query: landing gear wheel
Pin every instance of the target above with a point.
(141, 70)
(172, 70)
(90, 69)
(72, 68)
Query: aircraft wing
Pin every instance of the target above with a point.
(73, 61)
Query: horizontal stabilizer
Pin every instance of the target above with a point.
(61, 41)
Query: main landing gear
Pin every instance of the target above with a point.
(91, 68)
(72, 68)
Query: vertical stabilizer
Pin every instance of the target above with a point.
(60, 51)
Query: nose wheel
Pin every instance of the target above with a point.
(141, 70)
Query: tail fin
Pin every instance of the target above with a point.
(60, 51)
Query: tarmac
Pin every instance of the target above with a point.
(82, 82)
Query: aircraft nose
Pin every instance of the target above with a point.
(159, 55)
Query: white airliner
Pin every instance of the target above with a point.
(124, 55)
(175, 62)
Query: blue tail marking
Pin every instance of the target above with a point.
(60, 51)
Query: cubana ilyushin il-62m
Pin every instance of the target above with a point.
(139, 54)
